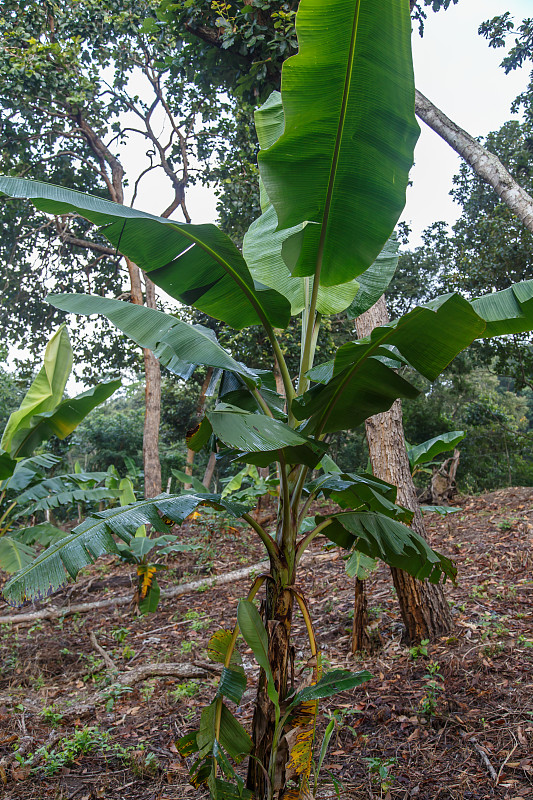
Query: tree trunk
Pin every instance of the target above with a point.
(209, 470)
(152, 408)
(360, 637)
(199, 414)
(423, 605)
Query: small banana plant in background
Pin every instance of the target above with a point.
(25, 490)
(336, 149)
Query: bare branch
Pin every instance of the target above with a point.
(88, 245)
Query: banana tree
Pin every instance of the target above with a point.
(25, 490)
(336, 149)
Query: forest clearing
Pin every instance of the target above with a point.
(449, 719)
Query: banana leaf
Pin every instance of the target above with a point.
(27, 469)
(333, 682)
(61, 420)
(7, 466)
(255, 438)
(428, 450)
(378, 536)
(46, 391)
(14, 554)
(94, 537)
(196, 264)
(508, 311)
(44, 533)
(178, 345)
(363, 492)
(376, 279)
(343, 161)
(361, 381)
(263, 242)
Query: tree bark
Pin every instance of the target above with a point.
(360, 637)
(199, 414)
(152, 414)
(423, 605)
(209, 470)
(484, 163)
(152, 391)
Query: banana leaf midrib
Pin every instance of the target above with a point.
(230, 270)
(336, 151)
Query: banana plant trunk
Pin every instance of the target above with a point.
(278, 609)
(423, 605)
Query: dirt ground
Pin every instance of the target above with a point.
(451, 719)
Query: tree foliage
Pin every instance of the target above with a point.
(79, 80)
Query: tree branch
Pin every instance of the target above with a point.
(85, 243)
(484, 163)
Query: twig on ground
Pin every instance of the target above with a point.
(508, 756)
(479, 750)
(110, 664)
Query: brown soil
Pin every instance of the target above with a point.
(469, 734)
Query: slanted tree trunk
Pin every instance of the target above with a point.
(484, 163)
(423, 605)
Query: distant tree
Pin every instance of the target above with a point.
(79, 79)
(10, 392)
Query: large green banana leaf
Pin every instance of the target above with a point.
(379, 536)
(27, 470)
(174, 342)
(46, 390)
(62, 420)
(196, 264)
(361, 383)
(508, 311)
(428, 450)
(343, 160)
(370, 387)
(66, 497)
(94, 537)
(255, 438)
(362, 492)
(262, 246)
